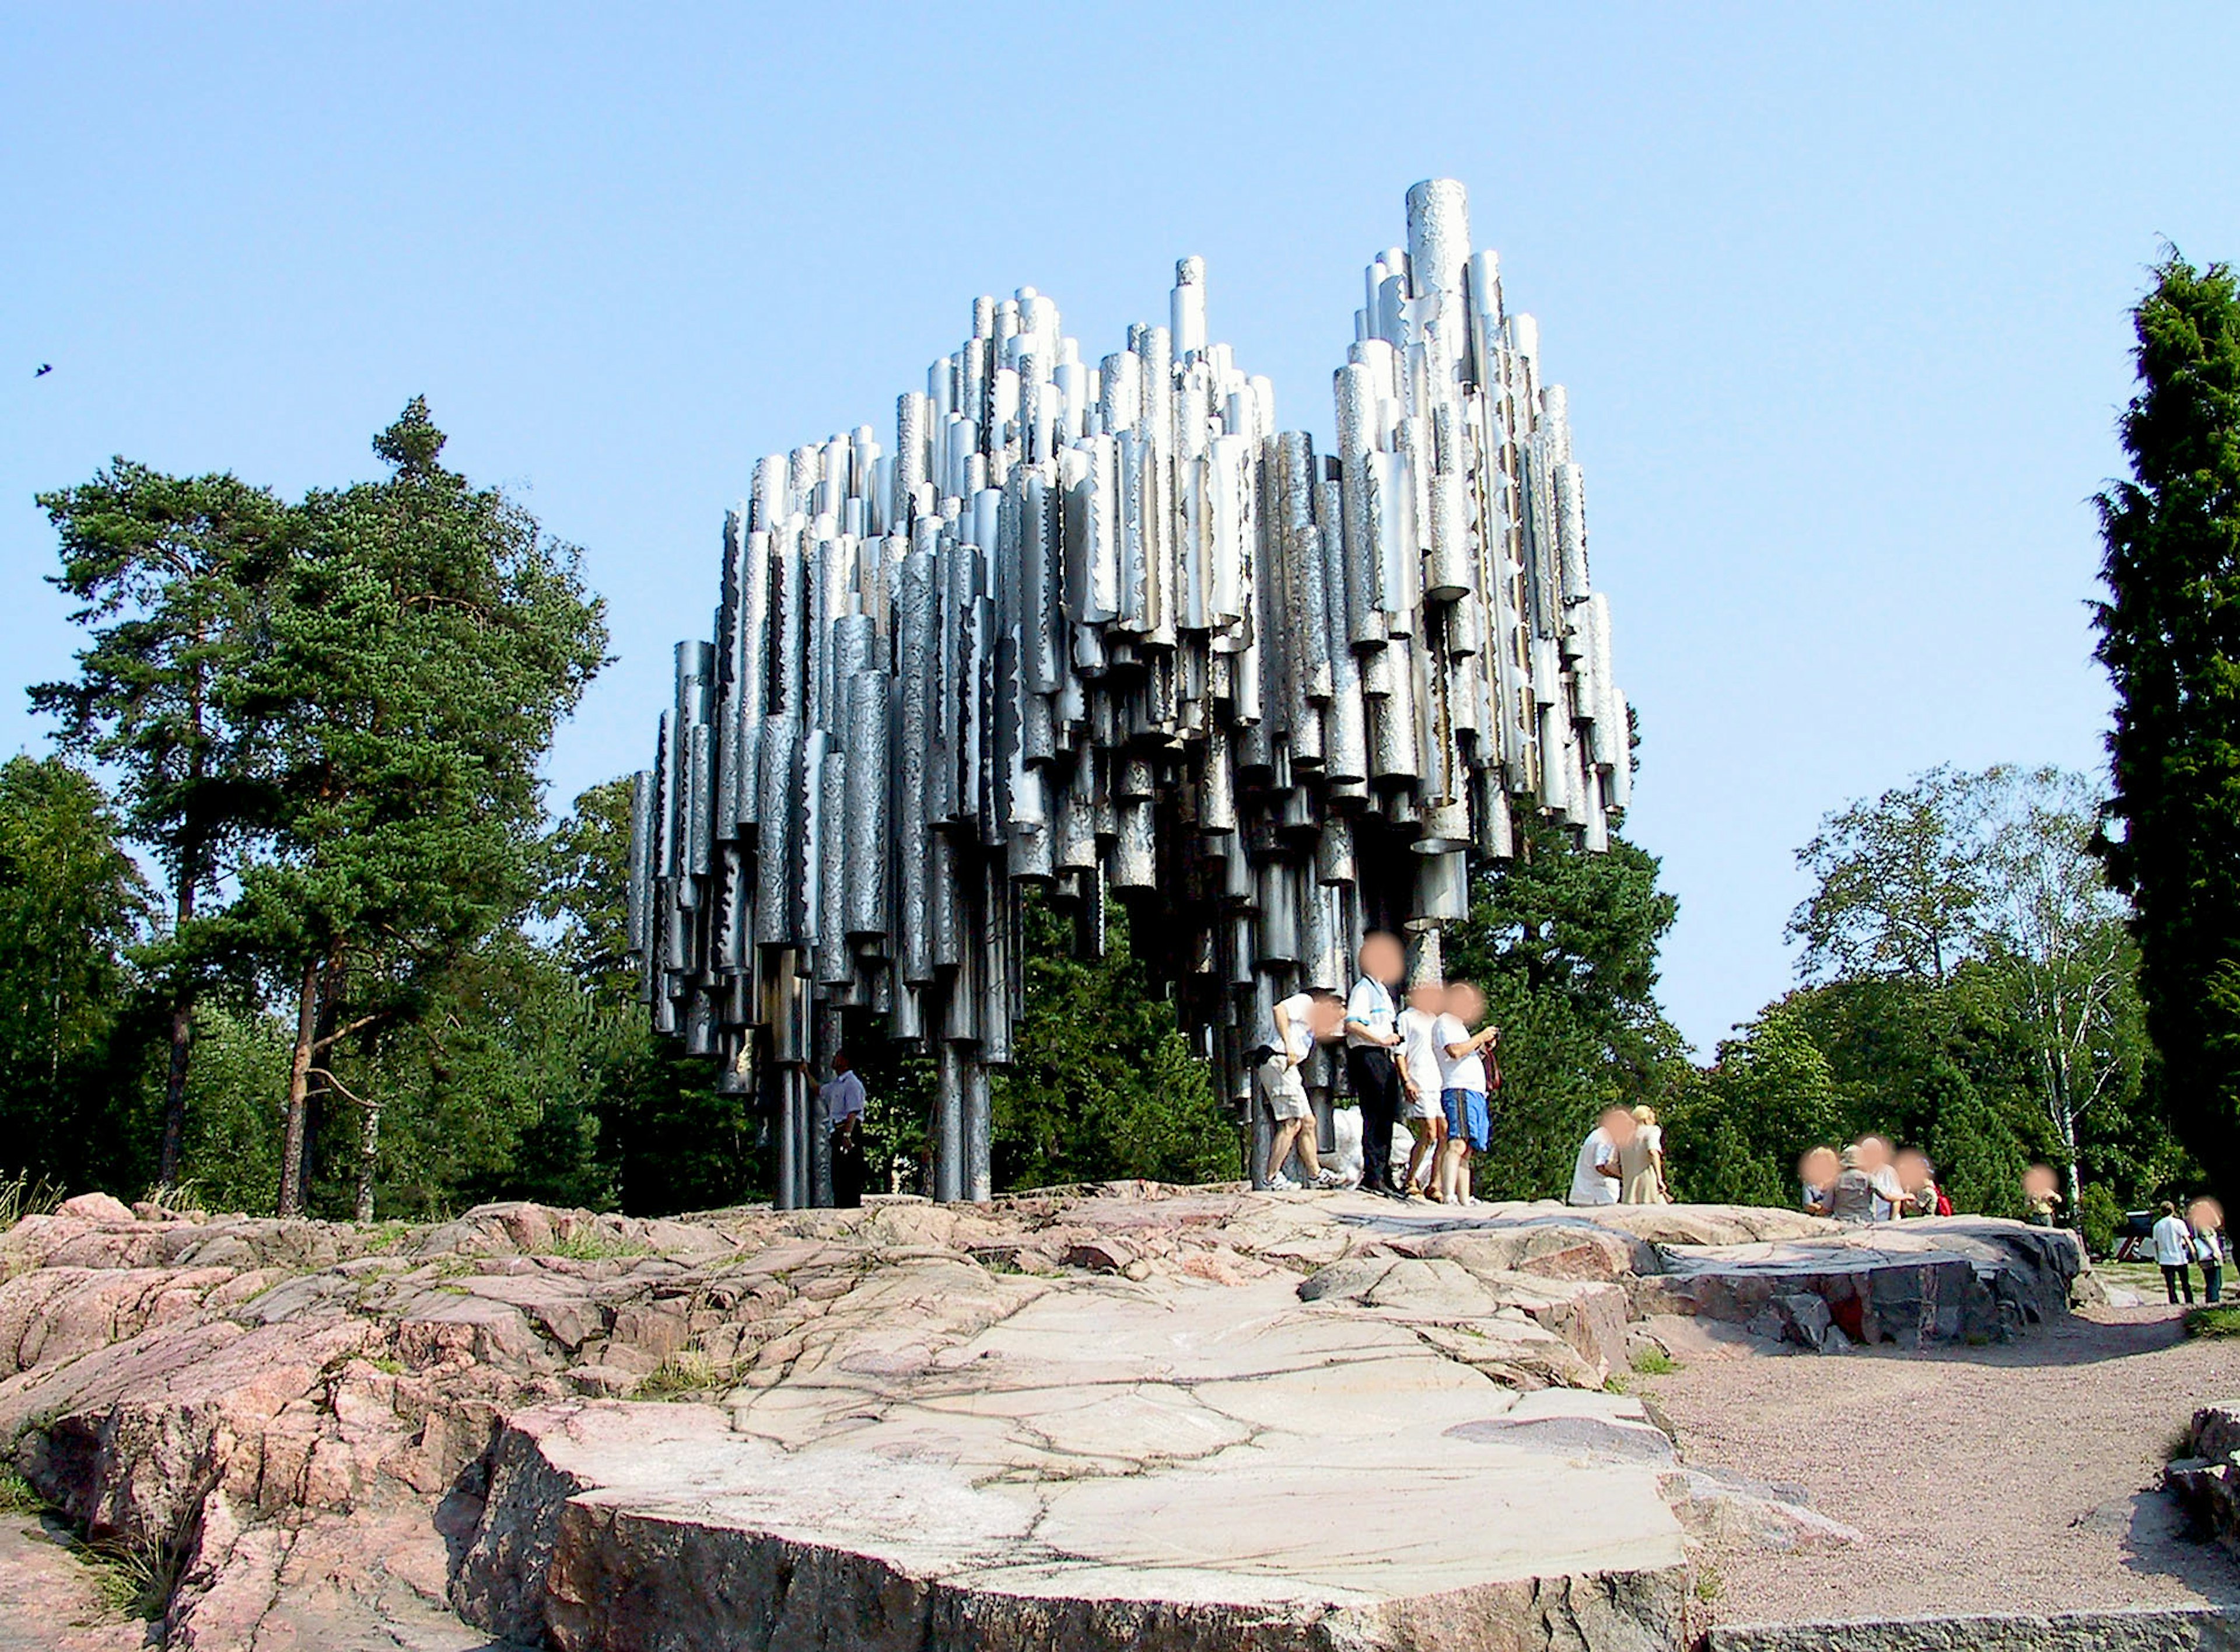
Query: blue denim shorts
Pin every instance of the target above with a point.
(1466, 1117)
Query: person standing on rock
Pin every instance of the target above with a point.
(1371, 1037)
(1300, 1020)
(2174, 1252)
(1641, 1163)
(1464, 1088)
(2042, 1196)
(1595, 1176)
(841, 1101)
(1419, 1078)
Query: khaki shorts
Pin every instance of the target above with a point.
(1286, 1093)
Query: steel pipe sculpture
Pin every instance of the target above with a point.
(1104, 629)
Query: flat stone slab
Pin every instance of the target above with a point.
(1173, 1466)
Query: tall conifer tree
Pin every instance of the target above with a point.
(2169, 636)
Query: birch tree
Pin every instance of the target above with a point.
(2053, 937)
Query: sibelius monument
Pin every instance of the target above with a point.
(1106, 628)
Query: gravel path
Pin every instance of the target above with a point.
(2010, 1478)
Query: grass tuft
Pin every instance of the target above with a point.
(20, 1196)
(17, 1495)
(132, 1577)
(589, 1244)
(684, 1374)
(2224, 1320)
(1654, 1361)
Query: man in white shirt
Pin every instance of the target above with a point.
(2174, 1251)
(1595, 1174)
(1300, 1020)
(841, 1101)
(1371, 1035)
(1419, 1078)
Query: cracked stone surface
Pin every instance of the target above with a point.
(1124, 1415)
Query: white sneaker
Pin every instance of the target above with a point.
(1281, 1183)
(1330, 1179)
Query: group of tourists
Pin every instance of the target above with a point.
(1426, 1063)
(2182, 1241)
(1871, 1181)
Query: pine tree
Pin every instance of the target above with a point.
(420, 644)
(165, 572)
(2169, 636)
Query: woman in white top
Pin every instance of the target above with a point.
(1419, 1077)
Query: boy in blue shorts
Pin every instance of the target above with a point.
(1463, 1088)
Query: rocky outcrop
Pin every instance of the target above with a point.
(1113, 1414)
(1950, 1279)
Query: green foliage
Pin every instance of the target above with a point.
(1973, 992)
(1896, 880)
(2098, 1216)
(1564, 945)
(167, 571)
(2167, 637)
(421, 641)
(73, 1022)
(1103, 1083)
(1733, 1138)
(240, 1073)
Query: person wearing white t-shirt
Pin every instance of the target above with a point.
(2174, 1252)
(1419, 1078)
(1595, 1174)
(1370, 1039)
(1464, 1090)
(1300, 1020)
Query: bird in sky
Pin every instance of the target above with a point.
(45, 368)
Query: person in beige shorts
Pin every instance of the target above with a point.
(1300, 1020)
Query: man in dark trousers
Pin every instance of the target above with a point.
(1372, 1034)
(843, 1100)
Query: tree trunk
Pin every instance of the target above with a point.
(182, 1038)
(316, 1093)
(175, 1088)
(369, 1156)
(299, 1085)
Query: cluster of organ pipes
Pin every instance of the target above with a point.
(1103, 630)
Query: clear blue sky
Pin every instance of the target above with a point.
(1840, 297)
